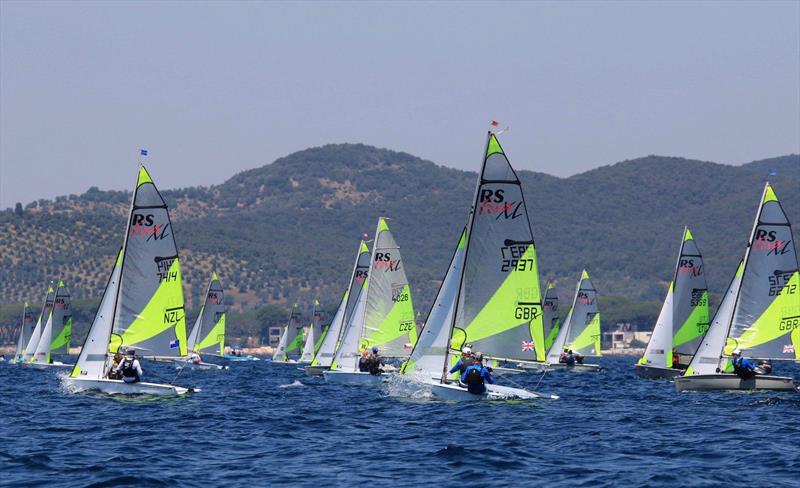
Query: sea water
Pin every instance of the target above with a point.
(261, 424)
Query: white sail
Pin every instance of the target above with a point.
(555, 351)
(659, 349)
(346, 356)
(42, 353)
(707, 359)
(431, 348)
(93, 358)
(30, 348)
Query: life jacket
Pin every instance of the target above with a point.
(374, 366)
(128, 370)
(474, 377)
(466, 362)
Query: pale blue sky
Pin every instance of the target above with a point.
(215, 88)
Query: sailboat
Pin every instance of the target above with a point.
(383, 316)
(314, 336)
(142, 305)
(212, 320)
(324, 356)
(33, 342)
(289, 347)
(25, 332)
(581, 329)
(56, 332)
(684, 316)
(490, 296)
(760, 313)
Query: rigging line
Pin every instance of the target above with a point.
(540, 379)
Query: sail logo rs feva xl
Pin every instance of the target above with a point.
(384, 261)
(143, 225)
(492, 202)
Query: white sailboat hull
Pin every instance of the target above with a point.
(289, 361)
(44, 366)
(316, 370)
(453, 392)
(712, 382)
(119, 387)
(539, 367)
(655, 372)
(231, 357)
(199, 367)
(353, 378)
(578, 368)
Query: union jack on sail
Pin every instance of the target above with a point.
(527, 345)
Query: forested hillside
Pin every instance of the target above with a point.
(288, 231)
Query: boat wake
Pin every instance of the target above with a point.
(293, 384)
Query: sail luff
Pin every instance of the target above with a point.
(33, 342)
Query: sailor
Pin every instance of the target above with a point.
(130, 368)
(570, 358)
(578, 358)
(375, 362)
(114, 374)
(363, 361)
(466, 360)
(476, 376)
(742, 366)
(195, 358)
(562, 358)
(676, 359)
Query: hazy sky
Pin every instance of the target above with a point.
(214, 88)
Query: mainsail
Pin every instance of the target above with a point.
(499, 304)
(333, 337)
(291, 339)
(384, 314)
(62, 321)
(683, 320)
(210, 324)
(550, 318)
(314, 335)
(25, 332)
(93, 359)
(33, 342)
(766, 315)
(149, 310)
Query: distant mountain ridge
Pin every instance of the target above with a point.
(288, 231)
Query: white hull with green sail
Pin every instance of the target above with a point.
(580, 331)
(760, 314)
(315, 335)
(33, 341)
(142, 306)
(208, 334)
(383, 316)
(683, 320)
(490, 296)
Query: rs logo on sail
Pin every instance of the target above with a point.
(492, 202)
(144, 225)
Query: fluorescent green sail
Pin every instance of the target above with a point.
(763, 330)
(62, 340)
(296, 345)
(695, 326)
(503, 308)
(215, 335)
(164, 311)
(318, 344)
(388, 329)
(589, 337)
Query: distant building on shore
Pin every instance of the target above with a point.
(626, 338)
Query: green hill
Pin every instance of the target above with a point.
(288, 231)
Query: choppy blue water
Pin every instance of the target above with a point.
(247, 429)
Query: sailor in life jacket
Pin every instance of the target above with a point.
(466, 360)
(476, 376)
(129, 368)
(742, 366)
(195, 358)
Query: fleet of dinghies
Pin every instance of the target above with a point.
(490, 300)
